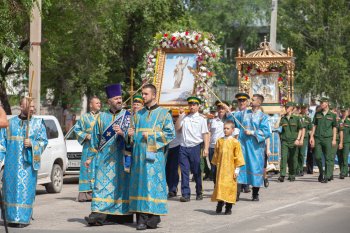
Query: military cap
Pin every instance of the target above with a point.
(324, 99)
(138, 99)
(303, 105)
(234, 102)
(220, 103)
(242, 96)
(297, 105)
(343, 108)
(194, 99)
(290, 104)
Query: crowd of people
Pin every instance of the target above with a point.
(132, 159)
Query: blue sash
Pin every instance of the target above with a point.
(123, 120)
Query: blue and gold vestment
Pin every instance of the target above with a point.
(148, 190)
(21, 166)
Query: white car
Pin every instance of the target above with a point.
(74, 152)
(54, 159)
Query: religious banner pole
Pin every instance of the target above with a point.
(131, 100)
(30, 98)
(195, 73)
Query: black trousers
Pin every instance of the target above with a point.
(150, 220)
(310, 160)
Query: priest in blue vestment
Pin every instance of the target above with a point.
(22, 162)
(110, 193)
(154, 130)
(83, 129)
(252, 138)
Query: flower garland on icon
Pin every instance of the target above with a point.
(208, 53)
(252, 70)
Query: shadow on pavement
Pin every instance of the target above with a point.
(209, 212)
(67, 198)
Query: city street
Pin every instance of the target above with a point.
(303, 206)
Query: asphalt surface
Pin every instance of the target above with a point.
(301, 206)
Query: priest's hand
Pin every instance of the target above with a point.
(88, 137)
(227, 108)
(144, 135)
(248, 132)
(118, 130)
(27, 143)
(131, 132)
(268, 152)
(87, 163)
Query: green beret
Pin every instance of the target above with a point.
(234, 102)
(343, 108)
(290, 104)
(324, 99)
(297, 105)
(138, 99)
(242, 96)
(194, 99)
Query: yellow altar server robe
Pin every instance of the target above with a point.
(227, 157)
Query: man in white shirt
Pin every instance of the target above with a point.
(172, 164)
(194, 130)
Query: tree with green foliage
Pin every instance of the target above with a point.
(14, 41)
(318, 32)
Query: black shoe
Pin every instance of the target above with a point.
(246, 189)
(320, 178)
(255, 198)
(219, 207)
(341, 176)
(324, 181)
(228, 211)
(266, 183)
(92, 221)
(184, 199)
(281, 179)
(141, 227)
(332, 178)
(171, 194)
(199, 197)
(301, 173)
(17, 225)
(292, 179)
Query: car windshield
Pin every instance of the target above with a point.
(71, 134)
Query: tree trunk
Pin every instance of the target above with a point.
(4, 99)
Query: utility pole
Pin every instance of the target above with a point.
(35, 52)
(273, 24)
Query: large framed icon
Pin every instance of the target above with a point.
(266, 84)
(174, 82)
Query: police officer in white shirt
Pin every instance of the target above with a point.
(194, 130)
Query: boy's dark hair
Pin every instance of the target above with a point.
(229, 122)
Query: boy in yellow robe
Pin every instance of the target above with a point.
(228, 158)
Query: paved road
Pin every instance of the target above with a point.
(303, 206)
